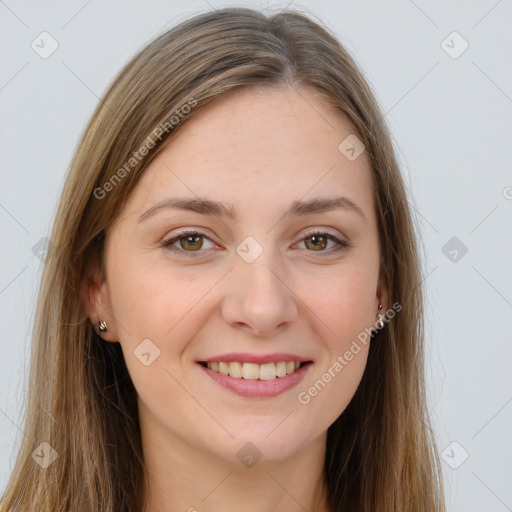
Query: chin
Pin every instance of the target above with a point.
(269, 445)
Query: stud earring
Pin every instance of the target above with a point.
(381, 323)
(102, 326)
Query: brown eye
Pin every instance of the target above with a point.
(188, 243)
(317, 242)
(191, 242)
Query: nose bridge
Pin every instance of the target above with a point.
(257, 296)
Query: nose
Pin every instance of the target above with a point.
(259, 297)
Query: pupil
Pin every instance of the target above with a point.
(190, 240)
(318, 241)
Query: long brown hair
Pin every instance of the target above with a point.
(381, 454)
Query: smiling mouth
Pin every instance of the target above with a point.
(254, 371)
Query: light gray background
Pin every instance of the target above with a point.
(451, 120)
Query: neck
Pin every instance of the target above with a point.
(181, 477)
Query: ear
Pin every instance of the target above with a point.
(381, 297)
(97, 303)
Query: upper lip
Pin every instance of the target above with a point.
(243, 357)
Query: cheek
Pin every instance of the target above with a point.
(344, 302)
(156, 306)
(159, 303)
(330, 390)
(149, 298)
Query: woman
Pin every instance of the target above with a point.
(231, 309)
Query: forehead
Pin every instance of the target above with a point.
(257, 148)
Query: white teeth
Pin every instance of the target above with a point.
(250, 371)
(268, 371)
(253, 371)
(224, 368)
(235, 370)
(281, 369)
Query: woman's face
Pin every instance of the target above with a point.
(260, 177)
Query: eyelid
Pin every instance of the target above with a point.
(169, 242)
(341, 244)
(322, 231)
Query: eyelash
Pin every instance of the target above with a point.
(341, 245)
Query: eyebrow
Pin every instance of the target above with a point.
(297, 208)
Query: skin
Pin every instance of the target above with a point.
(258, 150)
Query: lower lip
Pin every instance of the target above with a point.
(254, 388)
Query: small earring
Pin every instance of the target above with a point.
(381, 324)
(381, 321)
(102, 327)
